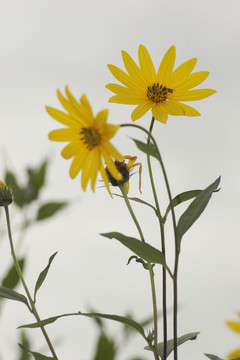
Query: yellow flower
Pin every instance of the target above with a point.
(235, 326)
(161, 91)
(124, 169)
(88, 138)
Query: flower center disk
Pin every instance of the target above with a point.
(90, 136)
(158, 93)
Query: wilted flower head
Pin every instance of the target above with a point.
(5, 195)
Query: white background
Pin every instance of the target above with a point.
(48, 44)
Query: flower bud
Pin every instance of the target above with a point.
(5, 195)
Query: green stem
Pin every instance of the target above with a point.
(175, 305)
(155, 316)
(161, 224)
(33, 307)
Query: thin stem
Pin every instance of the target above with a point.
(175, 305)
(161, 224)
(33, 307)
(155, 316)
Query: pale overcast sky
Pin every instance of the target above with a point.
(46, 45)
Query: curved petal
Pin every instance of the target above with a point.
(146, 65)
(166, 66)
(141, 110)
(134, 71)
(192, 80)
(181, 72)
(71, 149)
(62, 117)
(159, 114)
(68, 134)
(188, 110)
(191, 95)
(172, 108)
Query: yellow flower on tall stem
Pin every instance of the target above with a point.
(162, 91)
(88, 138)
(235, 326)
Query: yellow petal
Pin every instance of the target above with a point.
(181, 72)
(111, 150)
(172, 108)
(188, 110)
(70, 108)
(101, 117)
(78, 107)
(123, 91)
(78, 162)
(95, 168)
(105, 178)
(109, 130)
(192, 80)
(60, 116)
(88, 114)
(68, 134)
(90, 161)
(117, 99)
(192, 95)
(141, 110)
(159, 114)
(71, 149)
(110, 165)
(235, 326)
(146, 65)
(166, 66)
(134, 71)
(234, 354)
(124, 78)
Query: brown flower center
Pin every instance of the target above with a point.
(91, 137)
(124, 171)
(158, 93)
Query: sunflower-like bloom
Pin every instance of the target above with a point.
(162, 91)
(235, 326)
(88, 138)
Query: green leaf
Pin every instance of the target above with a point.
(25, 342)
(139, 201)
(36, 180)
(11, 279)
(43, 275)
(148, 149)
(19, 193)
(121, 319)
(36, 355)
(194, 210)
(187, 195)
(170, 343)
(214, 357)
(144, 250)
(105, 348)
(12, 295)
(49, 209)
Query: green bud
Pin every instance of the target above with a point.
(6, 196)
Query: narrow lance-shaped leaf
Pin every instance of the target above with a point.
(170, 343)
(37, 356)
(49, 209)
(43, 275)
(149, 149)
(144, 250)
(185, 196)
(13, 295)
(194, 210)
(139, 201)
(214, 357)
(121, 319)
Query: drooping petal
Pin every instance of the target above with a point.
(105, 178)
(192, 80)
(181, 72)
(192, 95)
(159, 114)
(62, 117)
(166, 66)
(110, 165)
(172, 108)
(71, 149)
(146, 65)
(67, 134)
(134, 71)
(141, 110)
(188, 110)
